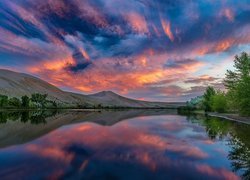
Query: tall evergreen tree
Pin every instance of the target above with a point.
(237, 82)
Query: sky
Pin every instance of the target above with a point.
(157, 50)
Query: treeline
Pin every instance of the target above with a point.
(235, 99)
(36, 101)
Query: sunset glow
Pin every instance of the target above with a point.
(151, 50)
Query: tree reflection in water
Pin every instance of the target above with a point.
(34, 117)
(238, 136)
(240, 151)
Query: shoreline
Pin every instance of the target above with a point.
(89, 109)
(231, 117)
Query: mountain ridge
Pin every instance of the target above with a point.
(15, 84)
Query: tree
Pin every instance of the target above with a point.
(196, 103)
(3, 101)
(237, 82)
(39, 99)
(219, 102)
(25, 101)
(207, 98)
(15, 102)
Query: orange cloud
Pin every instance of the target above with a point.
(167, 29)
(51, 65)
(217, 46)
(224, 45)
(137, 22)
(217, 172)
(84, 53)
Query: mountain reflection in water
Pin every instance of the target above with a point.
(134, 144)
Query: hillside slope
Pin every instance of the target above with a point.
(16, 84)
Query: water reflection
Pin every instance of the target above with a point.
(238, 141)
(34, 117)
(131, 145)
(24, 126)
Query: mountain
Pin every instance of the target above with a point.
(16, 84)
(108, 97)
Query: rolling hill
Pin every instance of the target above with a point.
(16, 84)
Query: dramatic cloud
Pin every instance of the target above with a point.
(152, 50)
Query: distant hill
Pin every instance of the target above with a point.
(16, 84)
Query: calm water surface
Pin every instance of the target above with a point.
(135, 144)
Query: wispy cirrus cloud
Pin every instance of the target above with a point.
(144, 49)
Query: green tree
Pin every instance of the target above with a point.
(15, 102)
(195, 103)
(232, 102)
(25, 101)
(237, 82)
(219, 102)
(39, 99)
(207, 98)
(3, 101)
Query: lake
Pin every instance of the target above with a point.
(133, 144)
